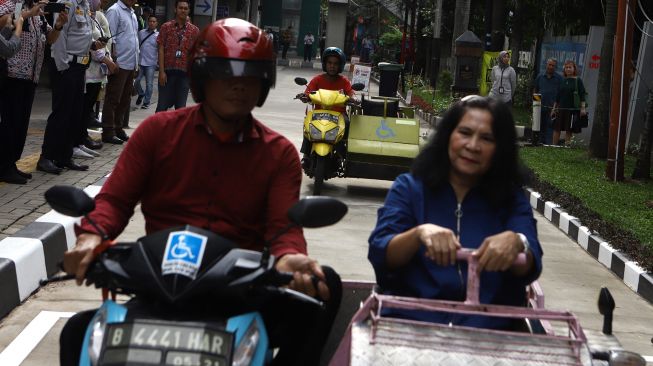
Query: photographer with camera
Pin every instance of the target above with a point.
(71, 59)
(17, 93)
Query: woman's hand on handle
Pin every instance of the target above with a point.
(77, 260)
(498, 252)
(303, 268)
(441, 243)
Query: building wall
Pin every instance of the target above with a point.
(336, 25)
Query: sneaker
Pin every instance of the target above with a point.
(145, 106)
(89, 151)
(139, 100)
(80, 154)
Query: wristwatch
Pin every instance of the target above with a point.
(524, 241)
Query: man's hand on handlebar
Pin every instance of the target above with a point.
(303, 97)
(303, 268)
(498, 252)
(77, 260)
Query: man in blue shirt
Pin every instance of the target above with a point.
(149, 59)
(547, 84)
(124, 29)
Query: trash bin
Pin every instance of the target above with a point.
(389, 79)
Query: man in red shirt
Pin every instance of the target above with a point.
(213, 165)
(333, 62)
(175, 40)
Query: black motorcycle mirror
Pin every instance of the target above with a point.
(606, 307)
(74, 202)
(301, 81)
(358, 86)
(310, 212)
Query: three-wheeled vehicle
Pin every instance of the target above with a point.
(381, 142)
(541, 336)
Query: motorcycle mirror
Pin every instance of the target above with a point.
(317, 211)
(69, 201)
(358, 86)
(301, 81)
(626, 358)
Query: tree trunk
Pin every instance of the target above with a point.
(423, 43)
(498, 25)
(643, 164)
(601, 120)
(517, 35)
(461, 23)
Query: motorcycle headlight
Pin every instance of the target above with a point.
(330, 136)
(626, 358)
(316, 134)
(98, 326)
(247, 347)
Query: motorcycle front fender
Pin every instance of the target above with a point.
(322, 149)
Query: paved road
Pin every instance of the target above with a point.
(571, 278)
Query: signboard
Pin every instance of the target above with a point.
(362, 75)
(563, 51)
(222, 11)
(160, 10)
(203, 7)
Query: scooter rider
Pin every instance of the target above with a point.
(333, 63)
(213, 165)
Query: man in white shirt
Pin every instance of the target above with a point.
(148, 60)
(308, 46)
(124, 29)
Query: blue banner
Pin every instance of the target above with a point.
(563, 51)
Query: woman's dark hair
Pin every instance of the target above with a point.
(432, 165)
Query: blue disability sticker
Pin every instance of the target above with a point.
(183, 254)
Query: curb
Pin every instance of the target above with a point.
(34, 252)
(632, 275)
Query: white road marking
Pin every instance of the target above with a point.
(29, 338)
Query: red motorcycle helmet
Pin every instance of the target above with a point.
(228, 48)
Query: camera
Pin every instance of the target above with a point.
(54, 7)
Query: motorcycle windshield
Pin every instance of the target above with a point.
(329, 98)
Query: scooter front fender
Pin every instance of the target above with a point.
(112, 313)
(322, 149)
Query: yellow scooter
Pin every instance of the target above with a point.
(324, 129)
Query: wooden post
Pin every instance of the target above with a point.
(619, 99)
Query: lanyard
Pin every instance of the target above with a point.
(180, 35)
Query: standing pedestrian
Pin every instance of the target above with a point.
(175, 41)
(547, 84)
(570, 104)
(504, 79)
(70, 54)
(124, 28)
(17, 94)
(322, 44)
(286, 39)
(148, 62)
(309, 39)
(100, 66)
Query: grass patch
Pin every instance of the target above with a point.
(572, 171)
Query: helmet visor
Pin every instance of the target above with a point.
(223, 68)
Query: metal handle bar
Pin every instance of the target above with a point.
(473, 279)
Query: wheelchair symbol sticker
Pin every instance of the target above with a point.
(384, 131)
(183, 254)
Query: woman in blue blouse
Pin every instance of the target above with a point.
(464, 191)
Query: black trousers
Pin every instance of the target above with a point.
(63, 124)
(16, 98)
(90, 98)
(299, 330)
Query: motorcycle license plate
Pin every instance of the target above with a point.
(325, 117)
(166, 343)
